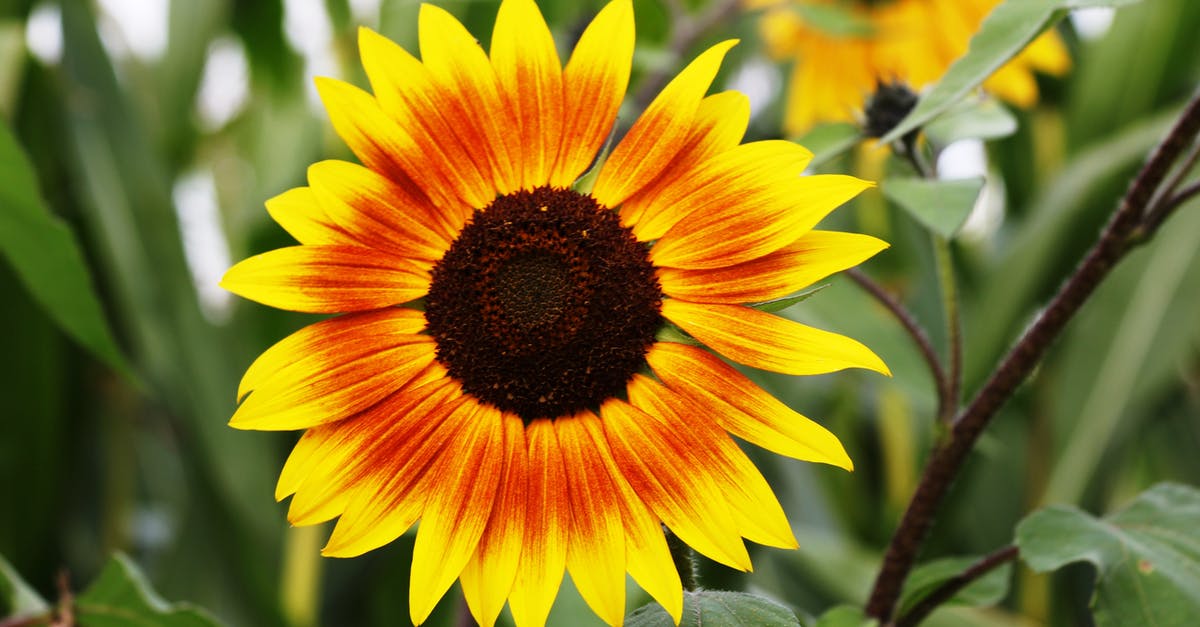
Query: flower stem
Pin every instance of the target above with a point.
(685, 562)
(948, 398)
(910, 324)
(1117, 239)
(955, 584)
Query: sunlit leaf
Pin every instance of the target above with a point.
(983, 118)
(713, 608)
(17, 599)
(121, 597)
(779, 304)
(845, 616)
(827, 141)
(47, 258)
(1147, 555)
(943, 206)
(1005, 32)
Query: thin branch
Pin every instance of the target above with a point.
(688, 30)
(910, 324)
(947, 459)
(955, 584)
(1159, 214)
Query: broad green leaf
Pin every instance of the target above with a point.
(16, 597)
(827, 141)
(1147, 555)
(714, 608)
(845, 616)
(779, 304)
(987, 590)
(975, 118)
(943, 206)
(1005, 32)
(121, 597)
(47, 258)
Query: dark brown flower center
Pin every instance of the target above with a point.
(545, 305)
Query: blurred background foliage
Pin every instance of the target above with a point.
(158, 128)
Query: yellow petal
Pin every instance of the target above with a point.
(463, 494)
(594, 84)
(767, 341)
(327, 279)
(660, 132)
(741, 407)
(596, 551)
(816, 255)
(671, 481)
(531, 78)
(544, 550)
(488, 576)
(755, 509)
(462, 71)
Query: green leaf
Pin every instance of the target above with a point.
(1147, 555)
(1005, 32)
(827, 141)
(714, 608)
(845, 616)
(834, 20)
(975, 118)
(987, 590)
(943, 206)
(46, 256)
(121, 597)
(16, 597)
(779, 304)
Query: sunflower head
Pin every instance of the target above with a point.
(496, 368)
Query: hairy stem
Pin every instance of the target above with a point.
(947, 459)
(685, 562)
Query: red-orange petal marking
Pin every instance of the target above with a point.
(327, 279)
(462, 72)
(544, 549)
(299, 213)
(671, 482)
(530, 77)
(660, 133)
(596, 550)
(816, 255)
(463, 488)
(488, 576)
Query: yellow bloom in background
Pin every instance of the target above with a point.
(913, 41)
(495, 370)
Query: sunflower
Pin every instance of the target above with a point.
(843, 48)
(498, 368)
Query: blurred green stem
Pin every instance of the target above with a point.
(949, 393)
(687, 31)
(1124, 231)
(300, 590)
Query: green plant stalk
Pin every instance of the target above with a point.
(947, 459)
(949, 394)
